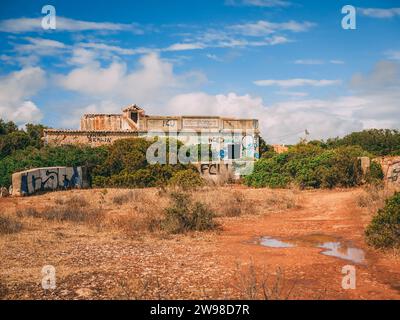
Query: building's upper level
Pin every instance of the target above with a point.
(134, 118)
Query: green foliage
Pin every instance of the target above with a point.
(384, 229)
(126, 166)
(13, 139)
(48, 157)
(122, 164)
(379, 142)
(185, 216)
(7, 127)
(186, 179)
(310, 166)
(375, 174)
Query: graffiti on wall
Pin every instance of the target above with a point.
(393, 174)
(98, 138)
(42, 179)
(212, 169)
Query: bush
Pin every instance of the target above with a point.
(186, 179)
(375, 174)
(384, 229)
(125, 197)
(185, 216)
(9, 225)
(126, 166)
(309, 166)
(48, 157)
(379, 142)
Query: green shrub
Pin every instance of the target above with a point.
(309, 166)
(384, 229)
(126, 166)
(375, 174)
(185, 216)
(187, 179)
(48, 157)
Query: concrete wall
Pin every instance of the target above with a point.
(44, 179)
(216, 172)
(391, 169)
(91, 138)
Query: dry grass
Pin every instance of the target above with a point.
(255, 284)
(137, 211)
(9, 225)
(126, 197)
(234, 202)
(373, 198)
(72, 209)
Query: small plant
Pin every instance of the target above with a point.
(186, 179)
(254, 284)
(185, 216)
(375, 174)
(9, 225)
(27, 212)
(74, 209)
(124, 197)
(384, 229)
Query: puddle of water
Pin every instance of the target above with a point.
(332, 246)
(336, 249)
(274, 243)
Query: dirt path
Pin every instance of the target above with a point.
(94, 264)
(323, 215)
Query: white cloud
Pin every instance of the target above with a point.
(16, 91)
(40, 46)
(379, 13)
(336, 61)
(152, 81)
(20, 25)
(184, 46)
(393, 54)
(279, 123)
(374, 104)
(292, 93)
(309, 61)
(317, 61)
(298, 82)
(262, 27)
(113, 49)
(258, 3)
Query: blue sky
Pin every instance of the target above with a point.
(288, 63)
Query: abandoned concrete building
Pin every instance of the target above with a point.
(228, 138)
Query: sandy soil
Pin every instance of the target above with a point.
(108, 264)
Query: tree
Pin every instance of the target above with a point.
(7, 127)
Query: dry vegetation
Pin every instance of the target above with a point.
(120, 223)
(258, 284)
(373, 198)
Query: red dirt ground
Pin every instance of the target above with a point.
(106, 265)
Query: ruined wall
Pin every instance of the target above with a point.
(216, 172)
(92, 138)
(391, 169)
(44, 179)
(107, 122)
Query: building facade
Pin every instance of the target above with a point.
(227, 138)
